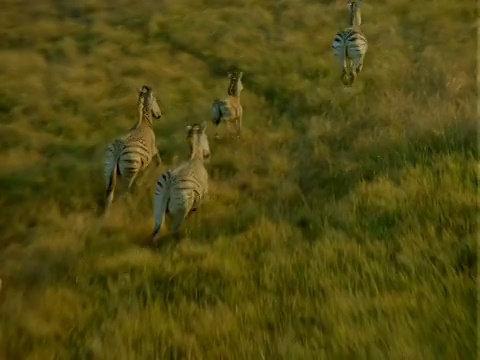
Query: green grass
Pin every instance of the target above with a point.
(342, 225)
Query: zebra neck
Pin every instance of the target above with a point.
(233, 89)
(355, 18)
(145, 117)
(234, 98)
(195, 152)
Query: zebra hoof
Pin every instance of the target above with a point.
(348, 79)
(155, 238)
(106, 208)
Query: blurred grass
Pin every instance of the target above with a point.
(342, 225)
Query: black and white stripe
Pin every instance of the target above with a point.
(129, 155)
(350, 45)
(179, 192)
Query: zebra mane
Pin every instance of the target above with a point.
(144, 106)
(197, 140)
(355, 14)
(195, 129)
(232, 86)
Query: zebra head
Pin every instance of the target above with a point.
(235, 86)
(146, 98)
(197, 137)
(353, 5)
(355, 15)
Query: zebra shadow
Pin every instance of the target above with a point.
(167, 240)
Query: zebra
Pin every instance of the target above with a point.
(130, 154)
(351, 45)
(229, 109)
(179, 192)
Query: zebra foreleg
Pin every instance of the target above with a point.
(358, 66)
(158, 158)
(238, 125)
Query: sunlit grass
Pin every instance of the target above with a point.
(343, 223)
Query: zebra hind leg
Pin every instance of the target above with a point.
(157, 230)
(129, 186)
(109, 196)
(156, 236)
(359, 65)
(216, 132)
(158, 158)
(177, 220)
(108, 200)
(348, 77)
(229, 126)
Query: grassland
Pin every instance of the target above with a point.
(342, 225)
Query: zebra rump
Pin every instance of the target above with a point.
(217, 112)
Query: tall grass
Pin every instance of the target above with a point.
(343, 224)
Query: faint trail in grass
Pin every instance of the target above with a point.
(284, 100)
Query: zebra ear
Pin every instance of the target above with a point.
(189, 127)
(139, 90)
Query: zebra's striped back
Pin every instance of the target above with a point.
(134, 150)
(128, 155)
(180, 191)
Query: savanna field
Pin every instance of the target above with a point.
(342, 225)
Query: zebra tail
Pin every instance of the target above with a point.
(216, 112)
(112, 181)
(160, 201)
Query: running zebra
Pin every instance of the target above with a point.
(179, 192)
(129, 155)
(351, 45)
(229, 109)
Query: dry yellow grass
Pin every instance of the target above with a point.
(342, 225)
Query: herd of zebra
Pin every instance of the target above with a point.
(180, 191)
